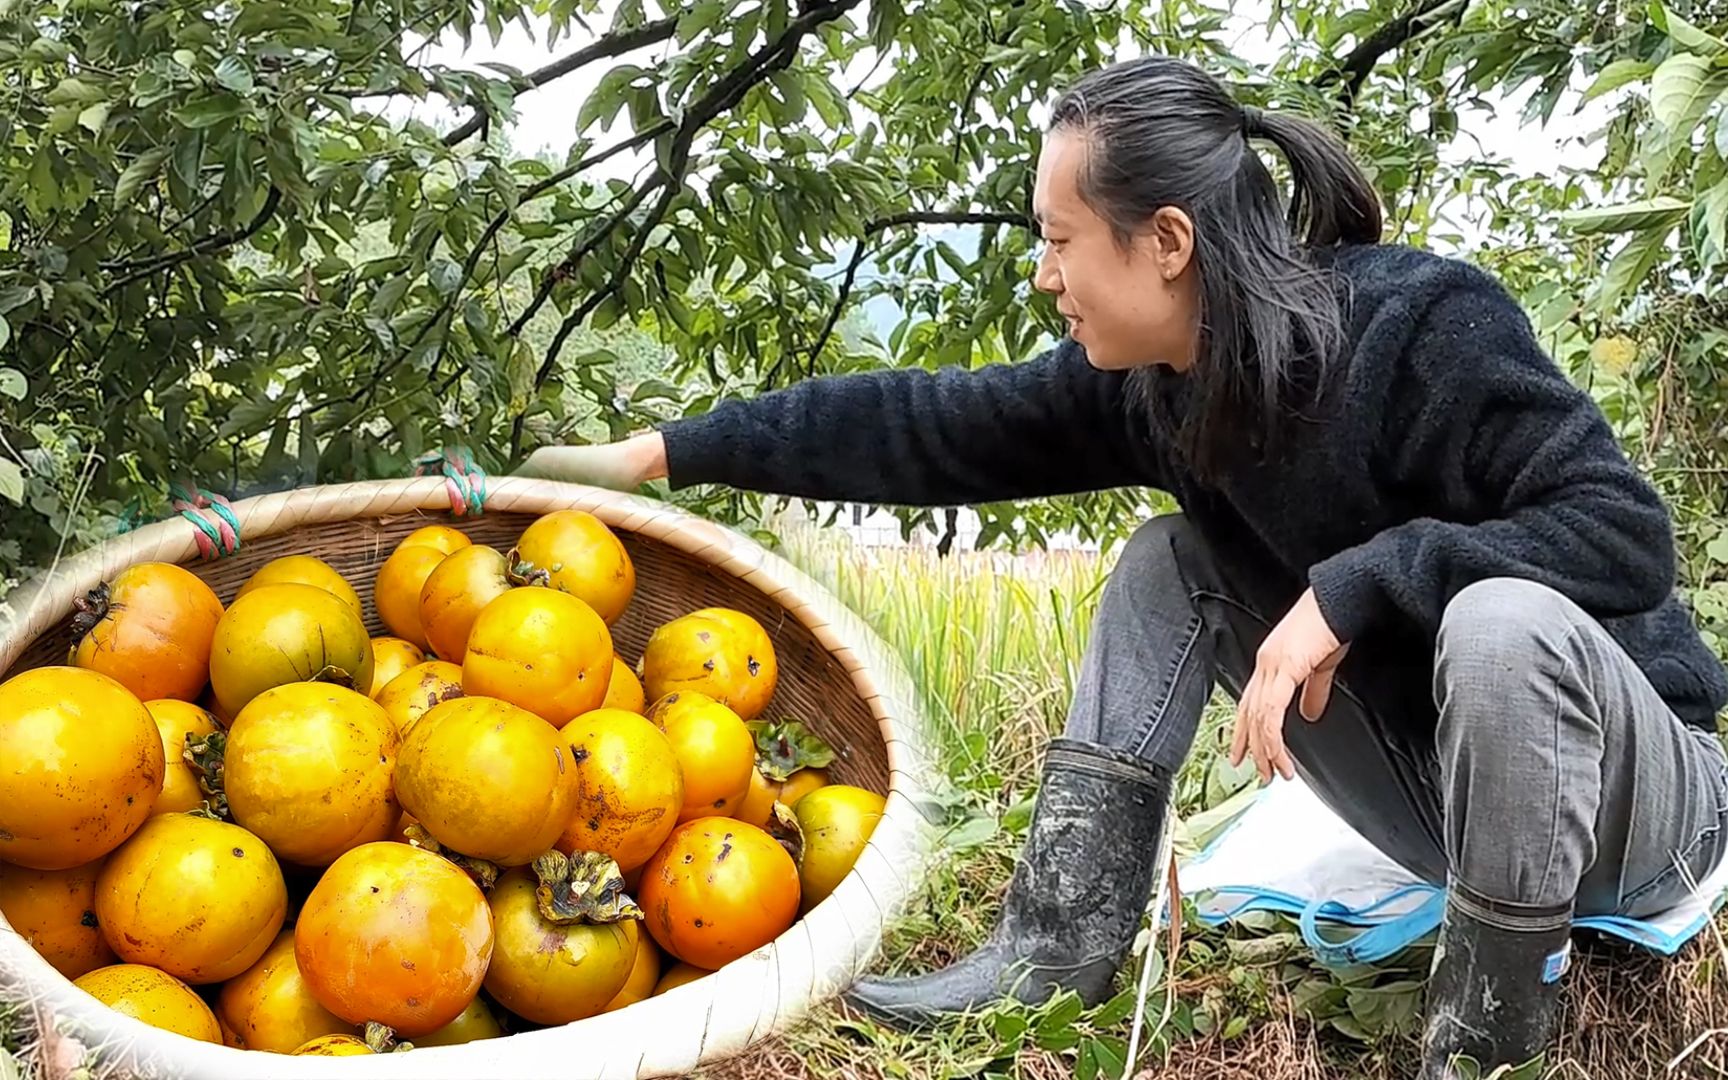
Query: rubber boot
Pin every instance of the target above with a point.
(1495, 989)
(1074, 902)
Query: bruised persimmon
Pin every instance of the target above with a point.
(487, 779)
(720, 652)
(474, 1023)
(391, 656)
(758, 804)
(800, 784)
(574, 552)
(541, 650)
(153, 996)
(455, 593)
(54, 911)
(333, 1046)
(718, 889)
(199, 898)
(308, 768)
(395, 934)
(629, 786)
(551, 973)
(445, 538)
(644, 974)
(418, 691)
(677, 975)
(837, 821)
(150, 630)
(83, 765)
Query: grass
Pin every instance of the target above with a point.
(993, 643)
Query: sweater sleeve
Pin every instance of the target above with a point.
(1049, 426)
(1519, 475)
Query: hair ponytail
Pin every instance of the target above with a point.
(1331, 200)
(1164, 133)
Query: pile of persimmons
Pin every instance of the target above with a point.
(256, 824)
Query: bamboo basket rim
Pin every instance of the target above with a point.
(718, 1016)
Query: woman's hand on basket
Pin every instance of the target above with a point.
(620, 466)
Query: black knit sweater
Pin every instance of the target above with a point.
(1447, 449)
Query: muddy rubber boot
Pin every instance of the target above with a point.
(1074, 903)
(1495, 990)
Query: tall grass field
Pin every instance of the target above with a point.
(993, 643)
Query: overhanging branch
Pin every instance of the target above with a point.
(143, 268)
(723, 95)
(609, 46)
(1355, 68)
(880, 225)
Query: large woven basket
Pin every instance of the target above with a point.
(835, 674)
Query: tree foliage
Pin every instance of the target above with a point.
(225, 256)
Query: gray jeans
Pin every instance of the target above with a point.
(1547, 772)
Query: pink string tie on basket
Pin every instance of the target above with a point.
(218, 529)
(464, 479)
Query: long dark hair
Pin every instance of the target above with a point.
(1164, 133)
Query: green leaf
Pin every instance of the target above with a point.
(1709, 224)
(75, 91)
(1684, 34)
(1654, 213)
(1121, 1007)
(1010, 1028)
(233, 73)
(1112, 1056)
(251, 416)
(445, 276)
(699, 19)
(12, 382)
(971, 833)
(389, 295)
(1616, 75)
(1717, 549)
(94, 117)
(142, 169)
(1629, 268)
(1681, 90)
(209, 109)
(11, 481)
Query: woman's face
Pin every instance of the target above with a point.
(1127, 306)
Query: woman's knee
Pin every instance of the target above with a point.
(1503, 621)
(1154, 547)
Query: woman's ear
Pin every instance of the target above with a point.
(1171, 237)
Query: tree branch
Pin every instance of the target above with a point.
(1355, 68)
(723, 95)
(134, 271)
(914, 217)
(567, 265)
(609, 46)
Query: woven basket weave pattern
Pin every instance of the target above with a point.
(834, 674)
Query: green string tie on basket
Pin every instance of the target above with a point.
(464, 479)
(218, 533)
